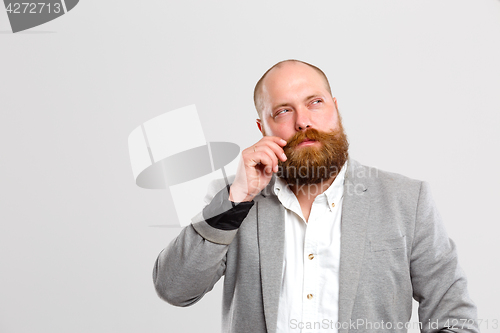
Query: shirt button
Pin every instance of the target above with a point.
(310, 296)
(333, 204)
(311, 256)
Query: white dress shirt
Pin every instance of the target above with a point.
(309, 295)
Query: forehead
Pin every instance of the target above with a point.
(291, 80)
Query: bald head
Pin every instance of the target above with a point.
(260, 87)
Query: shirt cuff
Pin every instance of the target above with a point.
(224, 214)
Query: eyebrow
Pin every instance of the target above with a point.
(280, 105)
(312, 96)
(288, 104)
(305, 99)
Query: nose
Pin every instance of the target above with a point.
(303, 120)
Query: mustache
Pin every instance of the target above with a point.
(310, 134)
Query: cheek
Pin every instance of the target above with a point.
(276, 130)
(333, 121)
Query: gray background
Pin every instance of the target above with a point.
(418, 87)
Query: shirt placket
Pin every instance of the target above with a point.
(310, 295)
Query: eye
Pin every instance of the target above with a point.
(317, 101)
(280, 112)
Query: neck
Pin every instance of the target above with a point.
(309, 192)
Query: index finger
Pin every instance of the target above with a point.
(276, 144)
(275, 139)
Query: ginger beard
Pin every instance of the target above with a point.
(314, 164)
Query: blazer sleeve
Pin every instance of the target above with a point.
(439, 284)
(196, 259)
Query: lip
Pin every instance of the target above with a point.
(307, 143)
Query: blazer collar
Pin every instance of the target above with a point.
(355, 210)
(271, 238)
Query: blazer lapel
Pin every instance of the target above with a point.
(271, 238)
(355, 211)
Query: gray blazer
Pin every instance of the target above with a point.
(393, 248)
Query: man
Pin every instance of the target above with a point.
(311, 241)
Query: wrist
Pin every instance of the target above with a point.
(237, 194)
(223, 214)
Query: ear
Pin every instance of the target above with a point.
(259, 125)
(335, 101)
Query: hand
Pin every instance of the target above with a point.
(256, 167)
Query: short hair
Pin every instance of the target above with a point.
(258, 87)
